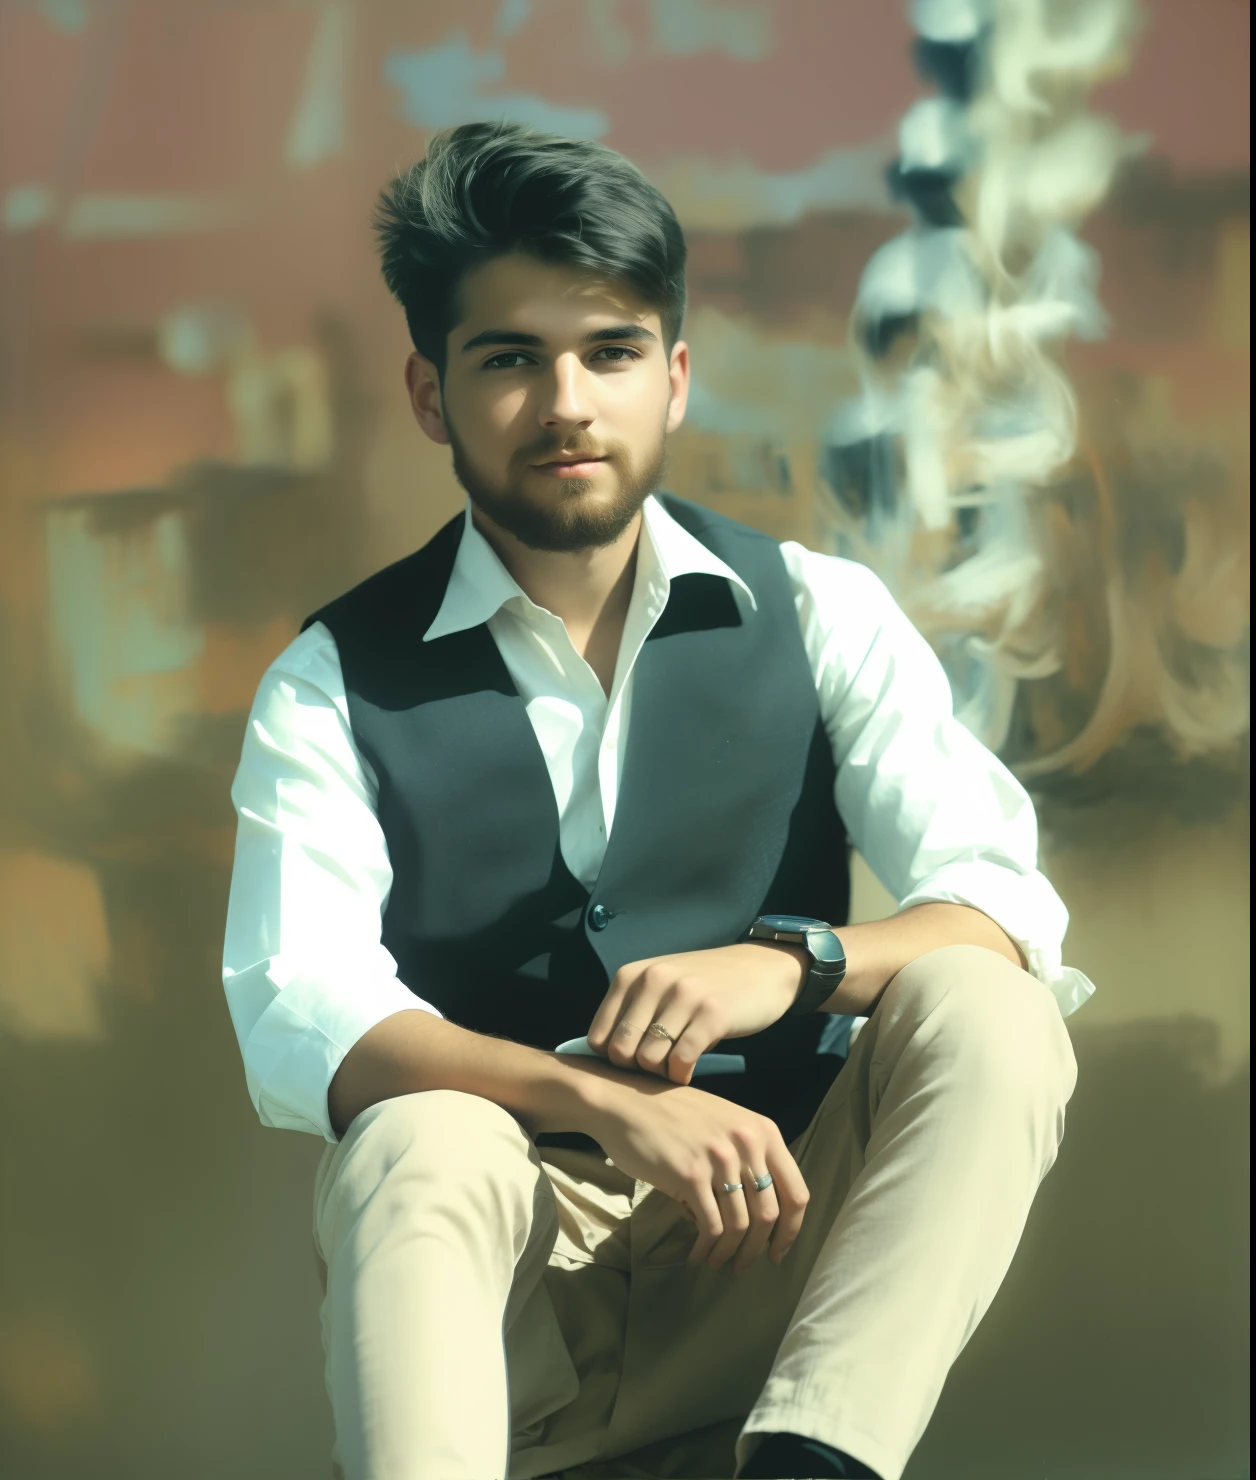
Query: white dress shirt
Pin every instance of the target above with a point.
(934, 813)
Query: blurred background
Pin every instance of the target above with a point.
(204, 435)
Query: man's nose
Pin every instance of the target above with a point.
(568, 401)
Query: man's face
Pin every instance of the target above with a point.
(557, 401)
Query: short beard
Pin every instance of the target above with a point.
(574, 520)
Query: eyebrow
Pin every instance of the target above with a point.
(516, 339)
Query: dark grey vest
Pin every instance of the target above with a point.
(725, 809)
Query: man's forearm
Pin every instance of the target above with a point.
(876, 952)
(553, 1092)
(417, 1051)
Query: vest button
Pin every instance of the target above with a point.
(599, 917)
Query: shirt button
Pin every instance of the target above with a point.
(599, 917)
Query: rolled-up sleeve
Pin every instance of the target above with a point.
(304, 968)
(936, 815)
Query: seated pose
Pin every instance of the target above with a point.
(583, 773)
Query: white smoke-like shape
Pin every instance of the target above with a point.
(965, 414)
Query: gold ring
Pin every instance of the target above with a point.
(660, 1031)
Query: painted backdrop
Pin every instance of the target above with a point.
(203, 436)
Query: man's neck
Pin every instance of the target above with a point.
(588, 589)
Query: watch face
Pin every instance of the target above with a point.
(825, 946)
(797, 923)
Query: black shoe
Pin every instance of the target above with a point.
(791, 1457)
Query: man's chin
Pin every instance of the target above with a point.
(580, 515)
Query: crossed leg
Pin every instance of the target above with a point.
(442, 1228)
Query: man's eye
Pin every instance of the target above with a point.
(510, 354)
(510, 359)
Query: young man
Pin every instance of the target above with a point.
(585, 766)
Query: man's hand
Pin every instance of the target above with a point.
(687, 1144)
(699, 997)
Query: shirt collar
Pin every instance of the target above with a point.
(480, 585)
(678, 553)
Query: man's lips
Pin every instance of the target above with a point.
(570, 467)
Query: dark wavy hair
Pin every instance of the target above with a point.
(487, 189)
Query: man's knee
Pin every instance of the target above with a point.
(430, 1150)
(1002, 1025)
(447, 1133)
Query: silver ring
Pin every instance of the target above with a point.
(733, 1186)
(764, 1182)
(660, 1031)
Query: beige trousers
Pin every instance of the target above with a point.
(497, 1310)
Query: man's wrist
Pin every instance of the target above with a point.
(794, 964)
(579, 1094)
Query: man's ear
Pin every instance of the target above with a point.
(678, 375)
(426, 401)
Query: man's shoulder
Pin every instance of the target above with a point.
(824, 570)
(828, 574)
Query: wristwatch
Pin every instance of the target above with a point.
(817, 938)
